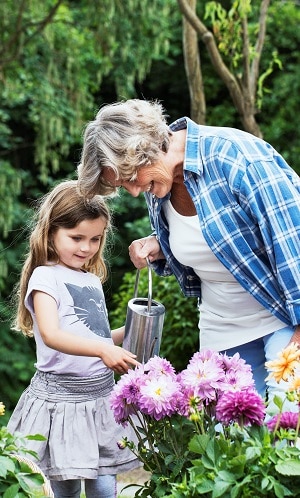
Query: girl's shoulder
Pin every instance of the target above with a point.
(58, 273)
(42, 276)
(44, 271)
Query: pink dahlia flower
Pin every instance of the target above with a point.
(245, 407)
(125, 394)
(160, 366)
(238, 374)
(287, 420)
(203, 375)
(158, 397)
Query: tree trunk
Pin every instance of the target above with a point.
(193, 69)
(242, 91)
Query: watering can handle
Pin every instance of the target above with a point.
(149, 285)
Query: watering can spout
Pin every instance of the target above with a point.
(144, 323)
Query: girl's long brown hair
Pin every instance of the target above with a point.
(63, 207)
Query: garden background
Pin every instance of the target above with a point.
(233, 63)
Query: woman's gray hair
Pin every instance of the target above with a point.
(124, 136)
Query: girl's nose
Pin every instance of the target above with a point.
(84, 246)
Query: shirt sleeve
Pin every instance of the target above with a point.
(42, 279)
(272, 194)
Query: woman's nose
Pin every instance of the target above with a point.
(133, 189)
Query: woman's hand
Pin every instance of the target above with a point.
(296, 336)
(147, 247)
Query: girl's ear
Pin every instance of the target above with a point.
(51, 245)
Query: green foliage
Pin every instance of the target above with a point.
(140, 21)
(17, 478)
(10, 187)
(16, 366)
(261, 90)
(53, 64)
(281, 101)
(180, 337)
(242, 463)
(227, 28)
(279, 75)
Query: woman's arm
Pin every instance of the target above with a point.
(114, 357)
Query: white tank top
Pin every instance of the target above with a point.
(229, 315)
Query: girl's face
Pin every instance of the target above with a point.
(76, 246)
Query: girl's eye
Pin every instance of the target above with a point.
(77, 239)
(96, 239)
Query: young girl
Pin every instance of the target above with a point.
(61, 303)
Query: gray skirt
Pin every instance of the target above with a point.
(74, 415)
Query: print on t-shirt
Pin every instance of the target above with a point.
(89, 308)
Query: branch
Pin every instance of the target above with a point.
(12, 45)
(259, 44)
(15, 42)
(246, 52)
(41, 25)
(193, 70)
(208, 39)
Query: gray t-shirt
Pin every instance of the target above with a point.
(82, 312)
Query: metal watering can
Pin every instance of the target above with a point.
(144, 323)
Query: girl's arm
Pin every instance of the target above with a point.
(114, 357)
(118, 335)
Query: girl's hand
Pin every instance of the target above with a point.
(147, 247)
(118, 359)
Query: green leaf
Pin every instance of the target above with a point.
(36, 437)
(29, 482)
(220, 488)
(288, 467)
(198, 444)
(252, 453)
(205, 487)
(6, 464)
(225, 476)
(12, 491)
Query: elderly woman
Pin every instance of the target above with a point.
(225, 211)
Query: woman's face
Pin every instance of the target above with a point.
(157, 179)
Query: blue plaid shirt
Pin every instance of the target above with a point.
(248, 202)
